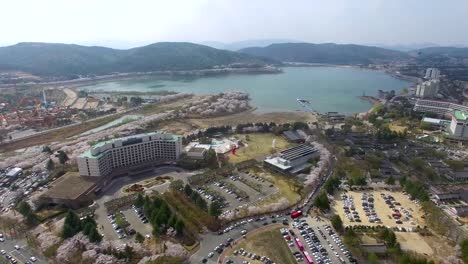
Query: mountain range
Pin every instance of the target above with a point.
(50, 59)
(326, 53)
(69, 60)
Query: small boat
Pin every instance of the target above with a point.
(304, 101)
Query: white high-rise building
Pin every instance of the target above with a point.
(127, 152)
(432, 73)
(428, 89)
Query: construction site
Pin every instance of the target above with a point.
(24, 112)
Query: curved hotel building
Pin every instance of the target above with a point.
(124, 153)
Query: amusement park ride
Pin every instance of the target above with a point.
(29, 111)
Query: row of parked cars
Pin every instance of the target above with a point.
(340, 244)
(140, 214)
(11, 258)
(367, 201)
(252, 256)
(319, 252)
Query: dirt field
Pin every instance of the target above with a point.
(257, 146)
(411, 241)
(381, 208)
(269, 243)
(253, 117)
(286, 189)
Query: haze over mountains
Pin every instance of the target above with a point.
(326, 53)
(52, 59)
(65, 60)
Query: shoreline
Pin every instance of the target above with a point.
(147, 76)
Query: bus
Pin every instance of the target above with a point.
(296, 214)
(308, 258)
(299, 244)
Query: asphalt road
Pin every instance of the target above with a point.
(210, 240)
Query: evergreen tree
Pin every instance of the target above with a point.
(200, 202)
(172, 220)
(62, 156)
(72, 225)
(215, 209)
(188, 190)
(46, 149)
(179, 226)
(140, 201)
(139, 238)
(50, 165)
(94, 235)
(337, 223)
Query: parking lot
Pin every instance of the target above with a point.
(315, 239)
(238, 191)
(16, 251)
(114, 191)
(389, 208)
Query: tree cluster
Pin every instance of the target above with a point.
(25, 209)
(73, 225)
(331, 184)
(195, 197)
(415, 189)
(160, 216)
(337, 223)
(322, 202)
(384, 133)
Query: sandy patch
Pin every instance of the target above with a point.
(414, 242)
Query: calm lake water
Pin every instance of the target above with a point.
(327, 88)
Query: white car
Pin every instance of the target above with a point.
(33, 259)
(210, 255)
(3, 252)
(17, 247)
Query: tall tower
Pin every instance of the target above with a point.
(44, 98)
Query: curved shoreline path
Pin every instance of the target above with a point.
(327, 88)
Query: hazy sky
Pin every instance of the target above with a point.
(123, 23)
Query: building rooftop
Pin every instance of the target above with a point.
(14, 172)
(292, 135)
(460, 115)
(448, 188)
(70, 186)
(128, 140)
(297, 152)
(197, 150)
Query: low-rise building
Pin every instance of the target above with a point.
(129, 152)
(444, 193)
(198, 151)
(72, 190)
(293, 136)
(436, 123)
(292, 160)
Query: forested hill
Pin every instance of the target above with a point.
(326, 53)
(48, 59)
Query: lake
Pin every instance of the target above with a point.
(327, 88)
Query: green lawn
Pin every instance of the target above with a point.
(269, 243)
(257, 145)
